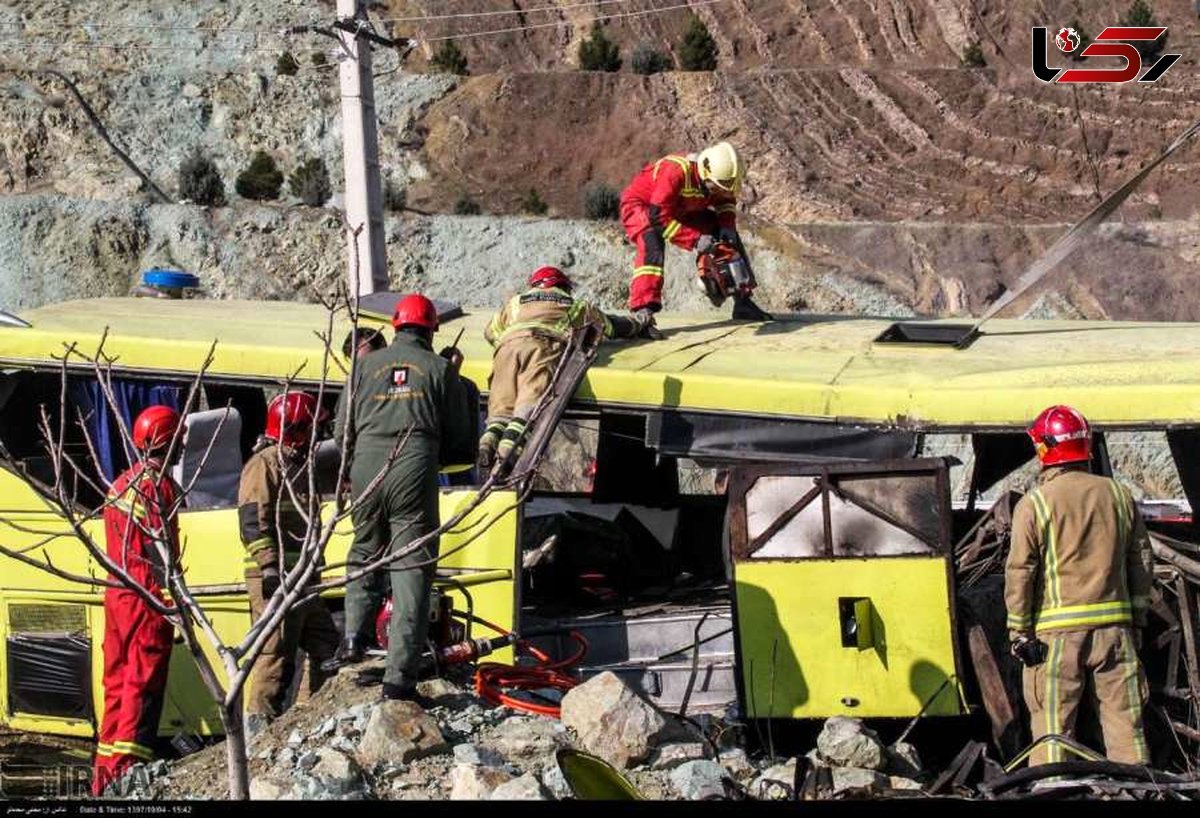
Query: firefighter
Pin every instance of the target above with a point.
(140, 528)
(690, 201)
(1077, 588)
(529, 334)
(406, 391)
(273, 532)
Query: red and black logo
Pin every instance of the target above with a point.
(1114, 41)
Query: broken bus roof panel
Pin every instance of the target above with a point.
(822, 368)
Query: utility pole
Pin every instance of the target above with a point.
(360, 153)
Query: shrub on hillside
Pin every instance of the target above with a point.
(601, 202)
(261, 180)
(286, 65)
(448, 59)
(1140, 14)
(648, 60)
(395, 198)
(698, 50)
(598, 53)
(200, 181)
(533, 204)
(466, 206)
(310, 183)
(973, 56)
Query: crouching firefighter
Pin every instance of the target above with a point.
(1077, 585)
(140, 530)
(691, 202)
(273, 531)
(529, 335)
(405, 393)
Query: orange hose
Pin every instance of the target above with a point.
(493, 678)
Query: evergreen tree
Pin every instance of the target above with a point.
(698, 50)
(598, 53)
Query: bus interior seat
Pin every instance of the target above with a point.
(217, 485)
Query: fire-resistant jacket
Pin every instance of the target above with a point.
(670, 188)
(548, 313)
(1080, 557)
(266, 508)
(147, 496)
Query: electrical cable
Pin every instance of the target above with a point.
(492, 679)
(559, 23)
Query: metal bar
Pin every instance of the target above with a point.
(782, 520)
(826, 512)
(1187, 617)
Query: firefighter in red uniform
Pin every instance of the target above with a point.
(139, 520)
(690, 201)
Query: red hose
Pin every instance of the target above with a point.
(493, 678)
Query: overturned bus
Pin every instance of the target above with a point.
(759, 513)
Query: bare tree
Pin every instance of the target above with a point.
(224, 679)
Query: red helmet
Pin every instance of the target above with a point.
(155, 427)
(415, 311)
(1061, 435)
(547, 277)
(293, 415)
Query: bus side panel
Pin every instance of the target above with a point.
(792, 619)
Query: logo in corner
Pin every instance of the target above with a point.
(1067, 40)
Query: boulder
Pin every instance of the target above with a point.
(611, 720)
(897, 782)
(736, 763)
(266, 789)
(699, 780)
(337, 772)
(519, 737)
(471, 782)
(845, 742)
(481, 756)
(775, 783)
(524, 788)
(903, 760)
(857, 781)
(399, 731)
(670, 756)
(556, 783)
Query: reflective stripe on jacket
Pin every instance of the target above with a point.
(1080, 556)
(551, 313)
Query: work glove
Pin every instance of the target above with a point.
(1030, 651)
(705, 244)
(270, 581)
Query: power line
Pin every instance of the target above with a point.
(559, 23)
(506, 12)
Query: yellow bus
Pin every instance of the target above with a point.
(811, 575)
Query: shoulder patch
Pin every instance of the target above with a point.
(399, 381)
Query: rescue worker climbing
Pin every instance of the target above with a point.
(405, 391)
(690, 201)
(140, 529)
(1077, 586)
(273, 532)
(529, 334)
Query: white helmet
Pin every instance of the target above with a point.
(721, 166)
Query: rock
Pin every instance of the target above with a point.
(294, 739)
(556, 783)
(736, 763)
(845, 742)
(611, 720)
(776, 782)
(524, 788)
(286, 757)
(438, 688)
(265, 789)
(520, 737)
(858, 781)
(399, 731)
(699, 780)
(307, 760)
(191, 90)
(482, 756)
(326, 728)
(903, 760)
(336, 771)
(897, 782)
(470, 782)
(672, 755)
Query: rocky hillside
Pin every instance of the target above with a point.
(885, 176)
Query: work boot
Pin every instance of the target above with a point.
(350, 652)
(485, 461)
(405, 693)
(647, 327)
(744, 309)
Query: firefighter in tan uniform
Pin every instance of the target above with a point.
(1077, 585)
(529, 335)
(265, 504)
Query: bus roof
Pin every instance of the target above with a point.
(816, 367)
